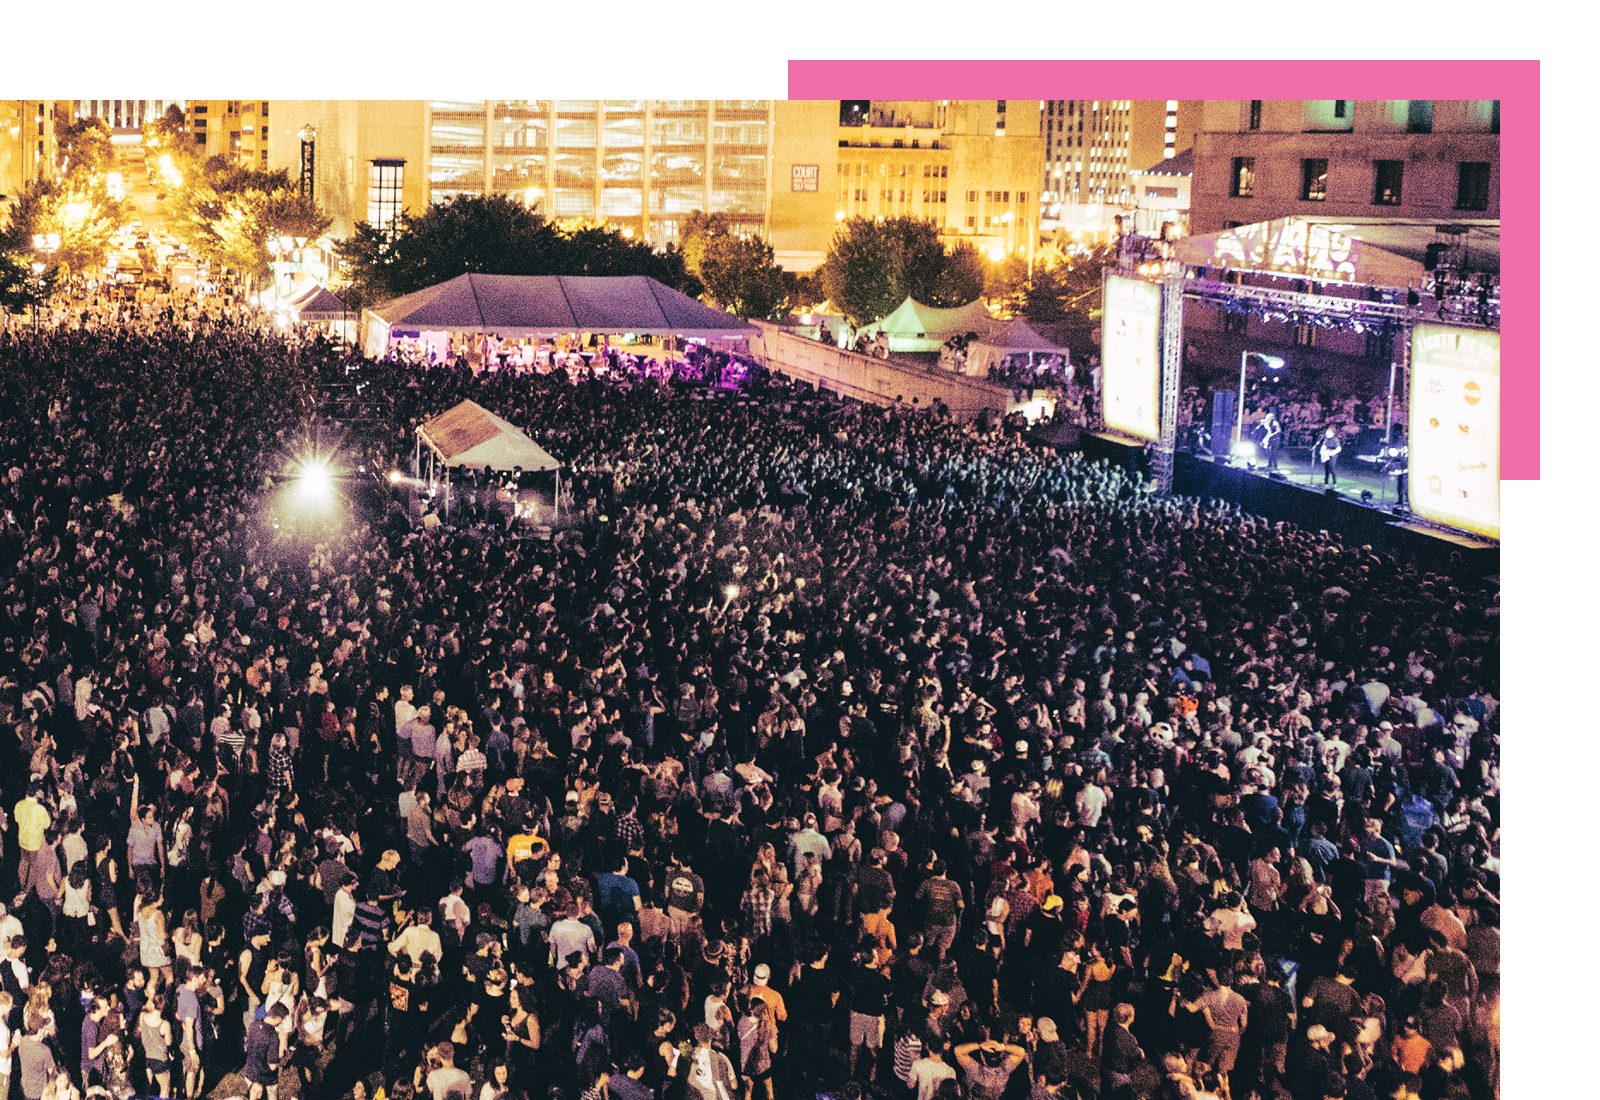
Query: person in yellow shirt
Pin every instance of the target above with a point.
(32, 820)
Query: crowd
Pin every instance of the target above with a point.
(831, 749)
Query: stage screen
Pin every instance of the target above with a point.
(1131, 346)
(1455, 427)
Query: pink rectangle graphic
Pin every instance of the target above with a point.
(1514, 83)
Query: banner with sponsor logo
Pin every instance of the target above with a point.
(1131, 345)
(1455, 427)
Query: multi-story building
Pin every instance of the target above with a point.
(1160, 129)
(969, 166)
(125, 117)
(233, 128)
(27, 142)
(639, 164)
(1161, 196)
(1257, 160)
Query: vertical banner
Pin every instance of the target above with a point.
(1131, 368)
(1455, 427)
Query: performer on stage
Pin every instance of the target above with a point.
(1271, 431)
(1328, 448)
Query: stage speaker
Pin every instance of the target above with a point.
(1224, 412)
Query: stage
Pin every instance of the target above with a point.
(1299, 498)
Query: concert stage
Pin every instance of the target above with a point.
(1301, 499)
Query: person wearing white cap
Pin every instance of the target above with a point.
(760, 987)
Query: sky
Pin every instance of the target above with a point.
(727, 50)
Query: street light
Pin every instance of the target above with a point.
(1273, 362)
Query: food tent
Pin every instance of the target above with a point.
(470, 435)
(548, 306)
(1016, 338)
(916, 327)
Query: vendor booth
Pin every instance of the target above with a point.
(1016, 339)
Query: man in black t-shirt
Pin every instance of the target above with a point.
(811, 1003)
(869, 1004)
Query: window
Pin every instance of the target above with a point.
(1387, 178)
(200, 109)
(972, 196)
(1314, 180)
(1472, 185)
(1339, 108)
(1255, 114)
(1419, 116)
(384, 186)
(1243, 184)
(972, 222)
(1022, 198)
(1494, 120)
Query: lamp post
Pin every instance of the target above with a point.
(1273, 362)
(47, 244)
(308, 159)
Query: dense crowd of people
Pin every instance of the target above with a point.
(827, 749)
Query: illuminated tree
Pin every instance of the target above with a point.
(874, 265)
(79, 210)
(228, 214)
(87, 145)
(740, 274)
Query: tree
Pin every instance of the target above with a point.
(1065, 292)
(78, 209)
(495, 235)
(87, 145)
(872, 266)
(739, 273)
(229, 214)
(962, 279)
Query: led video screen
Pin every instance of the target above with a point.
(1130, 346)
(1455, 427)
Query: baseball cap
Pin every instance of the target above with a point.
(1047, 1029)
(763, 974)
(1052, 903)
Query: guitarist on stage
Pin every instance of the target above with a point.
(1271, 432)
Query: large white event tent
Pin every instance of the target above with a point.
(547, 306)
(1016, 338)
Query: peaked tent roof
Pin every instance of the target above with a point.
(1019, 336)
(318, 303)
(912, 318)
(551, 305)
(1179, 164)
(471, 435)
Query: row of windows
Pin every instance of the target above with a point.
(1388, 182)
(1418, 114)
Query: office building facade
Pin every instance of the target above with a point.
(1257, 160)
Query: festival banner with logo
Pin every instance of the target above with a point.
(1455, 427)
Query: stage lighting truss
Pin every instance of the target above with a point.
(1470, 300)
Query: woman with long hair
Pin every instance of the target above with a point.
(188, 942)
(757, 1036)
(75, 900)
(520, 1029)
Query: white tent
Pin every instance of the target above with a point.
(1016, 338)
(916, 327)
(470, 435)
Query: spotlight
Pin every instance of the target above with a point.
(316, 483)
(394, 477)
(1245, 450)
(732, 592)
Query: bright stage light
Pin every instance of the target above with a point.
(1244, 449)
(732, 592)
(395, 476)
(316, 483)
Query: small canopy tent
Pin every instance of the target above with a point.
(1016, 338)
(551, 305)
(470, 435)
(319, 305)
(916, 327)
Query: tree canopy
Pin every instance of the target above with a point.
(740, 274)
(229, 213)
(872, 266)
(495, 235)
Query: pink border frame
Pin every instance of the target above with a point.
(1514, 83)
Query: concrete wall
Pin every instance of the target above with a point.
(883, 382)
